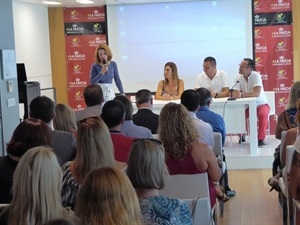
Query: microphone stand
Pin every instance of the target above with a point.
(231, 92)
(231, 98)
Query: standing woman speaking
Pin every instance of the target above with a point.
(103, 72)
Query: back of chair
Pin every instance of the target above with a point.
(281, 143)
(218, 144)
(289, 156)
(200, 210)
(186, 186)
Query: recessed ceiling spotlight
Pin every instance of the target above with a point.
(84, 1)
(51, 3)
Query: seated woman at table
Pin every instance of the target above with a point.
(184, 153)
(171, 87)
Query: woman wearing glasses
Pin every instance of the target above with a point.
(146, 171)
(184, 153)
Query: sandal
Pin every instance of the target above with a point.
(273, 182)
(223, 197)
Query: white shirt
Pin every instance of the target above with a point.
(219, 81)
(254, 80)
(205, 130)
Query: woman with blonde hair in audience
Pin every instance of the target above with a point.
(184, 153)
(28, 134)
(36, 190)
(94, 150)
(146, 171)
(65, 119)
(107, 197)
(171, 87)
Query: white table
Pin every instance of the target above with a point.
(233, 113)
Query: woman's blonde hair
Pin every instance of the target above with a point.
(146, 164)
(94, 147)
(65, 118)
(176, 130)
(293, 96)
(174, 72)
(107, 50)
(107, 197)
(36, 188)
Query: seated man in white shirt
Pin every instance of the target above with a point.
(216, 81)
(190, 99)
(249, 84)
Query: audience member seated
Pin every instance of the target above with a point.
(36, 190)
(286, 119)
(144, 116)
(94, 150)
(295, 171)
(171, 87)
(285, 122)
(113, 114)
(28, 134)
(218, 125)
(184, 153)
(128, 128)
(65, 119)
(93, 97)
(146, 171)
(190, 99)
(107, 197)
(63, 143)
(290, 138)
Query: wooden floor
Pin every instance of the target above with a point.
(253, 204)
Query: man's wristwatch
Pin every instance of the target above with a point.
(216, 95)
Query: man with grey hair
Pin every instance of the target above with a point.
(144, 116)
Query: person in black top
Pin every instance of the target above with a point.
(144, 116)
(29, 133)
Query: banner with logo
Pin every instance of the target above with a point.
(273, 48)
(85, 29)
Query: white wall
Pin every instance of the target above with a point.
(32, 42)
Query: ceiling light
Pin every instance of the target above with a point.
(51, 3)
(85, 1)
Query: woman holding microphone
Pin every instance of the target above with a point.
(103, 72)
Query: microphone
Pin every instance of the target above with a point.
(231, 92)
(104, 62)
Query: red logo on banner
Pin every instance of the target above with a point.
(78, 83)
(258, 33)
(282, 32)
(97, 41)
(272, 5)
(260, 48)
(282, 61)
(282, 88)
(76, 56)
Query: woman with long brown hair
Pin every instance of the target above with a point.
(184, 153)
(171, 87)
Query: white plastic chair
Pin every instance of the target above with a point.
(284, 186)
(219, 153)
(187, 186)
(271, 102)
(200, 210)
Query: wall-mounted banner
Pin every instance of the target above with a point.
(273, 48)
(85, 29)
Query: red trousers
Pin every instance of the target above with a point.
(262, 117)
